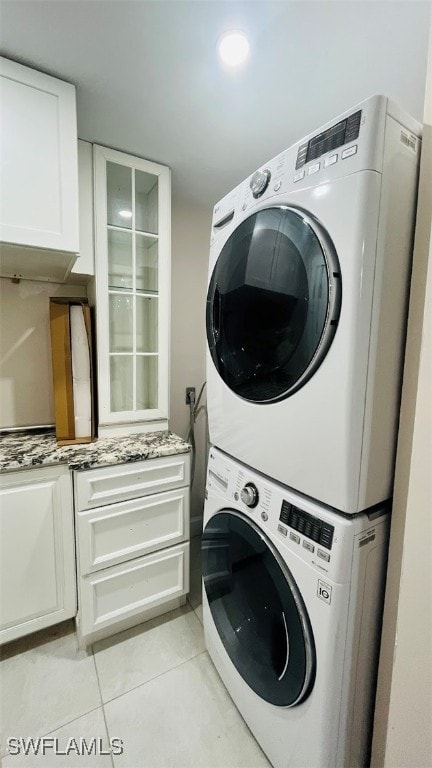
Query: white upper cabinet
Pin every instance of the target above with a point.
(132, 227)
(39, 166)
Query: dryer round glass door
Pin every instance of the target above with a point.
(273, 303)
(258, 610)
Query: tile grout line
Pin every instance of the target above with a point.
(57, 728)
(161, 674)
(102, 703)
(106, 726)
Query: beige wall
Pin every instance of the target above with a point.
(403, 716)
(26, 394)
(190, 251)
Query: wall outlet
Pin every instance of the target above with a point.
(190, 395)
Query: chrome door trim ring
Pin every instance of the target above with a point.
(334, 296)
(287, 645)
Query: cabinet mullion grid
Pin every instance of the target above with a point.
(134, 299)
(145, 377)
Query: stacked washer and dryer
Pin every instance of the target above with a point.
(306, 312)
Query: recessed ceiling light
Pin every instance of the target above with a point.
(125, 214)
(234, 48)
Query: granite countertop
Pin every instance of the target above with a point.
(23, 450)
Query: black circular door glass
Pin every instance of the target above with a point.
(272, 304)
(258, 610)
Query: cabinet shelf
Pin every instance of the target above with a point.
(137, 354)
(121, 291)
(149, 238)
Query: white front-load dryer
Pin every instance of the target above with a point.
(292, 599)
(306, 308)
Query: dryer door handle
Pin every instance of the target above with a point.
(287, 648)
(216, 314)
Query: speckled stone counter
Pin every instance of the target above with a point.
(23, 450)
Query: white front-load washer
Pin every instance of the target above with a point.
(292, 600)
(306, 308)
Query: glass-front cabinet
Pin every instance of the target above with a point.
(132, 212)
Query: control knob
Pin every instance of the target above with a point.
(249, 495)
(259, 182)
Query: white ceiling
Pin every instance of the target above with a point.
(149, 81)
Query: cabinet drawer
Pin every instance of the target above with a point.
(126, 590)
(97, 487)
(119, 532)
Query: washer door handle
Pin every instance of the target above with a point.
(287, 648)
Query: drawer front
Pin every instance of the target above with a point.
(97, 487)
(126, 590)
(119, 532)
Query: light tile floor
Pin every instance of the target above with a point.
(153, 686)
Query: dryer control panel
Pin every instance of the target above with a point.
(339, 134)
(350, 143)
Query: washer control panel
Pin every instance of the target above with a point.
(299, 527)
(249, 495)
(308, 525)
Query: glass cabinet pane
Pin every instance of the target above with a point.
(121, 371)
(119, 259)
(146, 202)
(146, 324)
(147, 382)
(121, 323)
(146, 263)
(119, 195)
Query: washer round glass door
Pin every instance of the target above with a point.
(257, 609)
(273, 303)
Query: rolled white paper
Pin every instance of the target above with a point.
(80, 372)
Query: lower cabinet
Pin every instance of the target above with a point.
(38, 584)
(133, 555)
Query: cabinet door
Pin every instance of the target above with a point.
(39, 169)
(132, 208)
(37, 586)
